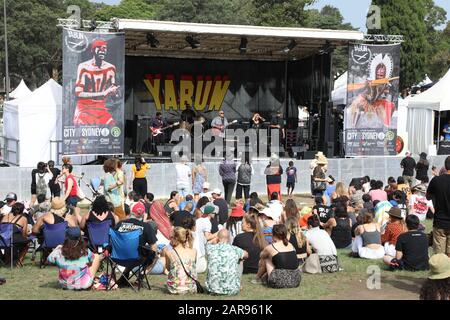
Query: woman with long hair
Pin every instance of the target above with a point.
(234, 222)
(111, 185)
(77, 264)
(290, 210)
(201, 202)
(341, 190)
(138, 176)
(297, 239)
(180, 259)
(422, 167)
(252, 241)
(173, 203)
(20, 233)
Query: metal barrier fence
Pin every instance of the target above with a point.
(162, 176)
(10, 150)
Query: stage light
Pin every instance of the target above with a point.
(290, 46)
(152, 41)
(243, 45)
(192, 42)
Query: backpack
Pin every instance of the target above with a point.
(41, 185)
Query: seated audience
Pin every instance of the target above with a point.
(340, 228)
(278, 262)
(172, 204)
(203, 233)
(100, 212)
(419, 205)
(322, 211)
(76, 263)
(437, 286)
(391, 187)
(368, 204)
(356, 193)
(180, 260)
(395, 227)
(58, 214)
(234, 222)
(290, 210)
(275, 205)
(178, 216)
(411, 249)
(267, 220)
(252, 241)
(297, 239)
(367, 243)
(377, 193)
(223, 259)
(17, 218)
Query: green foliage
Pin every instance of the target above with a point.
(407, 18)
(128, 9)
(281, 13)
(439, 63)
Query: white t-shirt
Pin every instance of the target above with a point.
(419, 206)
(277, 207)
(321, 242)
(202, 225)
(183, 175)
(234, 231)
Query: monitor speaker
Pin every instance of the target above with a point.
(309, 154)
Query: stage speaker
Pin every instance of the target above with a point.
(143, 136)
(309, 154)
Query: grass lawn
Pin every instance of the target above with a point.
(30, 282)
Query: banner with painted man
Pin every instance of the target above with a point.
(93, 92)
(372, 100)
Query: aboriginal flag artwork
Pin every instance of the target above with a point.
(93, 87)
(372, 100)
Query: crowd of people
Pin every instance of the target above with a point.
(202, 231)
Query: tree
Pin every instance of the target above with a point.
(129, 9)
(280, 13)
(407, 18)
(439, 63)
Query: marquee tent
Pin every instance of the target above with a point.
(420, 114)
(21, 91)
(30, 123)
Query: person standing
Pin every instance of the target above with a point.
(244, 179)
(291, 173)
(439, 191)
(227, 171)
(422, 167)
(71, 186)
(219, 124)
(318, 178)
(111, 187)
(138, 176)
(55, 188)
(40, 178)
(273, 174)
(408, 164)
(183, 176)
(159, 138)
(222, 204)
(199, 176)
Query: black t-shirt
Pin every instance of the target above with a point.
(408, 165)
(439, 190)
(422, 170)
(223, 209)
(414, 246)
(56, 172)
(323, 212)
(33, 180)
(245, 242)
(148, 235)
(178, 216)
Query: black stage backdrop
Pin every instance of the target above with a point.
(237, 87)
(93, 93)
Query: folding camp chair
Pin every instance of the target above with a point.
(125, 253)
(6, 241)
(98, 237)
(54, 235)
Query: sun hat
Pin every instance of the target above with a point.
(395, 212)
(321, 159)
(319, 154)
(439, 266)
(216, 191)
(206, 185)
(137, 209)
(267, 211)
(58, 206)
(209, 208)
(237, 212)
(73, 233)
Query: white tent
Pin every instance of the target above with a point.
(33, 120)
(420, 114)
(21, 91)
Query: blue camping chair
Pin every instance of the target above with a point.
(125, 253)
(98, 233)
(54, 235)
(6, 240)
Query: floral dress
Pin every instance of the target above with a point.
(200, 178)
(178, 282)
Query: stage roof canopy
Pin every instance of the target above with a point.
(217, 41)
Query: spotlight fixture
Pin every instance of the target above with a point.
(152, 41)
(243, 45)
(290, 46)
(192, 42)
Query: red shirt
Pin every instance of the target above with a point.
(393, 230)
(73, 192)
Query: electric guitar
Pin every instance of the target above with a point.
(158, 131)
(221, 132)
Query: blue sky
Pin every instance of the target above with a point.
(354, 11)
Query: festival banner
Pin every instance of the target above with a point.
(93, 93)
(372, 100)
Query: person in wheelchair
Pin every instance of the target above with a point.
(147, 240)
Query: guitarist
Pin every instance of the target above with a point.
(158, 123)
(219, 124)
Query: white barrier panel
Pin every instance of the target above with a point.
(162, 178)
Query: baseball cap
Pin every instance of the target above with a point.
(216, 191)
(73, 233)
(138, 209)
(206, 185)
(11, 196)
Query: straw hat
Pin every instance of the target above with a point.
(58, 206)
(321, 159)
(319, 154)
(439, 267)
